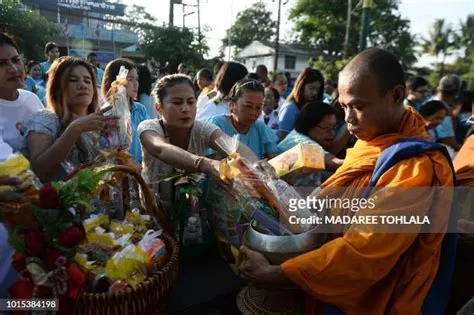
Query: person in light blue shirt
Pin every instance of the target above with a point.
(92, 59)
(418, 91)
(30, 84)
(137, 110)
(309, 86)
(144, 91)
(447, 92)
(246, 105)
(51, 51)
(464, 106)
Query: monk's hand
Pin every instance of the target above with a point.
(255, 267)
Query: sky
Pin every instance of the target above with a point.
(219, 15)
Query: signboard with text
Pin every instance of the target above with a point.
(97, 6)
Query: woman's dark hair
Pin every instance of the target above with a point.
(50, 46)
(466, 100)
(161, 89)
(204, 73)
(311, 115)
(144, 80)
(415, 83)
(253, 76)
(6, 39)
(228, 75)
(431, 108)
(217, 67)
(308, 75)
(31, 64)
(275, 94)
(112, 70)
(245, 85)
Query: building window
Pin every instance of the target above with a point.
(254, 64)
(290, 62)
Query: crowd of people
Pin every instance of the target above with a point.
(53, 111)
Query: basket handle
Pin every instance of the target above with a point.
(151, 207)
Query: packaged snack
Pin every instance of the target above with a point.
(96, 220)
(155, 249)
(300, 159)
(128, 265)
(120, 108)
(121, 229)
(16, 165)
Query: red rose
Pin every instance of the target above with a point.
(22, 289)
(72, 236)
(48, 197)
(76, 281)
(19, 261)
(34, 242)
(51, 257)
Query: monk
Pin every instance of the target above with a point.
(372, 273)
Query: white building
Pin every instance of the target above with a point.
(290, 58)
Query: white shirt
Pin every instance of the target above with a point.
(17, 111)
(207, 108)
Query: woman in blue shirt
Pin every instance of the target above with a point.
(245, 106)
(144, 91)
(137, 110)
(309, 86)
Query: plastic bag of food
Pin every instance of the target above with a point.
(128, 265)
(155, 248)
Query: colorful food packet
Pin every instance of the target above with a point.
(155, 248)
(128, 265)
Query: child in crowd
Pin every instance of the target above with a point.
(68, 130)
(246, 104)
(280, 83)
(216, 102)
(138, 111)
(34, 72)
(308, 87)
(144, 91)
(177, 140)
(270, 108)
(205, 82)
(433, 112)
(51, 51)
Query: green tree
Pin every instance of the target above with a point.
(465, 38)
(439, 43)
(322, 25)
(173, 45)
(254, 23)
(31, 31)
(136, 20)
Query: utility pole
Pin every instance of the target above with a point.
(348, 28)
(199, 23)
(367, 5)
(277, 39)
(171, 18)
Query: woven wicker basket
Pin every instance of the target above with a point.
(150, 296)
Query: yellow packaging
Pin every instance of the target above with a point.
(17, 166)
(128, 265)
(300, 158)
(95, 221)
(121, 228)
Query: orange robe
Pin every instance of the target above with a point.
(380, 273)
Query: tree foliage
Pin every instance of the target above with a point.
(322, 25)
(136, 20)
(172, 45)
(254, 23)
(30, 30)
(440, 42)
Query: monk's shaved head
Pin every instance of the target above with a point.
(378, 62)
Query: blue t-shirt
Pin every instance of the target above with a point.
(100, 76)
(139, 114)
(462, 127)
(147, 101)
(292, 139)
(445, 129)
(45, 66)
(288, 116)
(411, 104)
(260, 138)
(30, 84)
